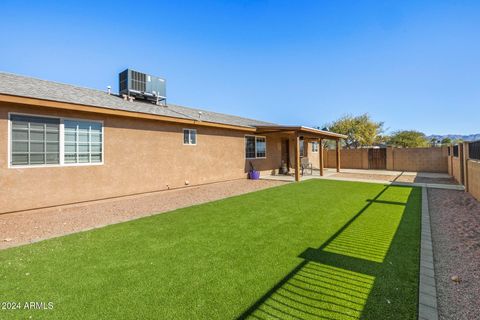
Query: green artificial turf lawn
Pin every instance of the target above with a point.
(334, 249)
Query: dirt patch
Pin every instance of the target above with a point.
(34, 225)
(455, 220)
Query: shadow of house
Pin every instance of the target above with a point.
(358, 273)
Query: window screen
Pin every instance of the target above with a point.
(83, 142)
(35, 140)
(314, 146)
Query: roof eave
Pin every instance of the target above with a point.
(303, 129)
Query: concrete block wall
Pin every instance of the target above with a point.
(330, 159)
(390, 160)
(354, 158)
(457, 169)
(418, 159)
(349, 158)
(450, 158)
(464, 170)
(400, 159)
(456, 164)
(474, 178)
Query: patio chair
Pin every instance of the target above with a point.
(306, 165)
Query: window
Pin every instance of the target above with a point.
(261, 145)
(250, 147)
(34, 140)
(255, 147)
(37, 141)
(314, 146)
(83, 142)
(189, 136)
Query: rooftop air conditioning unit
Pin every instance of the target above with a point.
(142, 86)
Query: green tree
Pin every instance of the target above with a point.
(434, 142)
(360, 130)
(446, 141)
(408, 139)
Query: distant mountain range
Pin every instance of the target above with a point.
(467, 137)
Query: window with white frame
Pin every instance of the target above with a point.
(314, 146)
(190, 136)
(255, 147)
(36, 141)
(83, 141)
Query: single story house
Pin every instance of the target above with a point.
(63, 144)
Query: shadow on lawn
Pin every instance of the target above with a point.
(358, 273)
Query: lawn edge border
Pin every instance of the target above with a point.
(427, 290)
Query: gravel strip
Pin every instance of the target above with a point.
(35, 225)
(455, 221)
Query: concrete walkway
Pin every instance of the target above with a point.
(378, 176)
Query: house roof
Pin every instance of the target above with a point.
(16, 85)
(12, 85)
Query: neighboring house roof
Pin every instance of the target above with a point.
(15, 85)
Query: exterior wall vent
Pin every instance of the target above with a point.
(142, 86)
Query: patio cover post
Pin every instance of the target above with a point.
(320, 155)
(338, 154)
(297, 156)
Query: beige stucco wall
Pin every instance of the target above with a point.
(313, 157)
(139, 156)
(474, 178)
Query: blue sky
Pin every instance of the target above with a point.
(411, 64)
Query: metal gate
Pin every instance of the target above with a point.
(377, 158)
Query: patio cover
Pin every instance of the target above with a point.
(306, 133)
